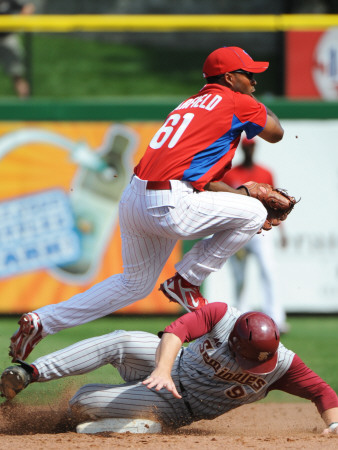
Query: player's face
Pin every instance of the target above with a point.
(243, 82)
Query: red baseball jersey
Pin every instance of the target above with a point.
(241, 174)
(198, 140)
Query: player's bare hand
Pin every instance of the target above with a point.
(328, 431)
(161, 381)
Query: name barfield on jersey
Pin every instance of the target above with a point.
(202, 101)
(255, 382)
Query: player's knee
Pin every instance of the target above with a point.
(138, 288)
(76, 405)
(259, 214)
(146, 290)
(80, 405)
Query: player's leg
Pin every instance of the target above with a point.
(238, 263)
(144, 256)
(143, 259)
(100, 300)
(263, 249)
(12, 56)
(230, 219)
(130, 400)
(132, 353)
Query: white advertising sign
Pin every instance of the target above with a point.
(37, 231)
(325, 67)
(305, 163)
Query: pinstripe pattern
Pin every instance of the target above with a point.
(133, 354)
(212, 381)
(151, 223)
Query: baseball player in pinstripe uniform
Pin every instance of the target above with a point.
(261, 250)
(234, 359)
(177, 193)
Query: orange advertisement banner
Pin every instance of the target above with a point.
(60, 187)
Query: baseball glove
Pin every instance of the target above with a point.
(276, 201)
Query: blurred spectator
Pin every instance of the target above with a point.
(11, 51)
(310, 7)
(260, 246)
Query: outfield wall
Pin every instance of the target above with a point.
(59, 228)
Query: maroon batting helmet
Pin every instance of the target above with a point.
(254, 340)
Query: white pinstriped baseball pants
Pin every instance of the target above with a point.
(132, 353)
(151, 223)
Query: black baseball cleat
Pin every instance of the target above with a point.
(15, 379)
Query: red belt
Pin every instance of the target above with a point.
(158, 185)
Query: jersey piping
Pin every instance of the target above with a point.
(201, 163)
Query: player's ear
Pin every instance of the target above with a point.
(229, 79)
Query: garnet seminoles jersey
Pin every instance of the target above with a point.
(199, 138)
(214, 382)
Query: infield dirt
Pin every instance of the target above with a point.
(258, 426)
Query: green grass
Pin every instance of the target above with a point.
(66, 66)
(313, 338)
(70, 67)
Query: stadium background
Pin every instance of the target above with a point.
(91, 86)
(105, 76)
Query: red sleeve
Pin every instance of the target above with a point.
(300, 380)
(251, 113)
(193, 325)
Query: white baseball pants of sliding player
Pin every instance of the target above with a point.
(132, 353)
(151, 223)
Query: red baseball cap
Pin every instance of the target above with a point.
(228, 59)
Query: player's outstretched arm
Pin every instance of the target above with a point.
(330, 417)
(165, 356)
(300, 380)
(220, 186)
(273, 131)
